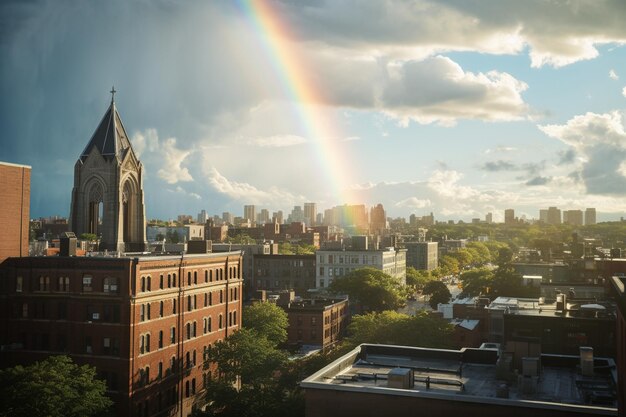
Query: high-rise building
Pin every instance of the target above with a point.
(249, 212)
(422, 255)
(263, 217)
(509, 216)
(378, 220)
(489, 218)
(14, 209)
(202, 217)
(573, 217)
(554, 215)
(590, 216)
(543, 215)
(228, 218)
(107, 199)
(277, 217)
(310, 214)
(297, 215)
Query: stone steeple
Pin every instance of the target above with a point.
(107, 199)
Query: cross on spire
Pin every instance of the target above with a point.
(112, 94)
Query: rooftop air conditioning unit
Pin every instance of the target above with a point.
(400, 378)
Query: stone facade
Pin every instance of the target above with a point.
(107, 199)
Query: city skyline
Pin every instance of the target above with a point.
(275, 104)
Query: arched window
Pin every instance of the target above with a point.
(220, 322)
(188, 278)
(143, 284)
(149, 286)
(195, 277)
(188, 328)
(206, 276)
(209, 325)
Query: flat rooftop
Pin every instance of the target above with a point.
(472, 375)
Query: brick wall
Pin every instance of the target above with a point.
(14, 209)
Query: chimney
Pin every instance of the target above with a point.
(67, 245)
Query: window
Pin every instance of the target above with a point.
(173, 280)
(44, 283)
(205, 299)
(187, 389)
(142, 312)
(193, 385)
(209, 324)
(160, 339)
(188, 330)
(206, 276)
(211, 275)
(188, 278)
(161, 309)
(195, 277)
(19, 282)
(221, 296)
(161, 282)
(173, 306)
(194, 329)
(230, 319)
(173, 335)
(143, 284)
(87, 281)
(172, 364)
(142, 344)
(313, 321)
(188, 360)
(62, 311)
(193, 358)
(88, 347)
(189, 303)
(234, 318)
(236, 290)
(111, 346)
(160, 372)
(149, 285)
(210, 298)
(110, 285)
(169, 280)
(148, 311)
(220, 322)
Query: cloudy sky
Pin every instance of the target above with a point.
(455, 107)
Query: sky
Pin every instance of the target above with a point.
(459, 108)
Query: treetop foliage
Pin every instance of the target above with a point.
(268, 320)
(372, 288)
(54, 387)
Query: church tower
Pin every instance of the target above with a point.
(107, 198)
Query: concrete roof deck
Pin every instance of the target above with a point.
(453, 375)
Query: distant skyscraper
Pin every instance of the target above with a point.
(543, 215)
(277, 217)
(310, 214)
(378, 220)
(573, 217)
(263, 217)
(590, 216)
(489, 218)
(228, 218)
(202, 217)
(509, 216)
(249, 212)
(554, 215)
(297, 215)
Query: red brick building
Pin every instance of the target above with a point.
(14, 209)
(144, 322)
(317, 322)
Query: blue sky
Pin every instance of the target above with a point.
(455, 107)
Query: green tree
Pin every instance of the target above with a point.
(439, 293)
(268, 320)
(449, 265)
(248, 355)
(373, 289)
(53, 387)
(90, 237)
(417, 279)
(390, 327)
(476, 282)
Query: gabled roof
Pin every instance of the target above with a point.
(110, 137)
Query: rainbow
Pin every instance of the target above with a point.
(308, 99)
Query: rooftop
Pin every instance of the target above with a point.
(574, 308)
(471, 375)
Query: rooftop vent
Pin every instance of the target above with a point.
(400, 378)
(586, 360)
(530, 366)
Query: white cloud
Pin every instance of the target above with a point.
(600, 142)
(613, 75)
(624, 91)
(164, 154)
(242, 191)
(414, 202)
(277, 141)
(350, 139)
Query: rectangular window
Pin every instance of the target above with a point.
(19, 282)
(87, 283)
(173, 335)
(321, 271)
(110, 285)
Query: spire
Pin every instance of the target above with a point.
(110, 137)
